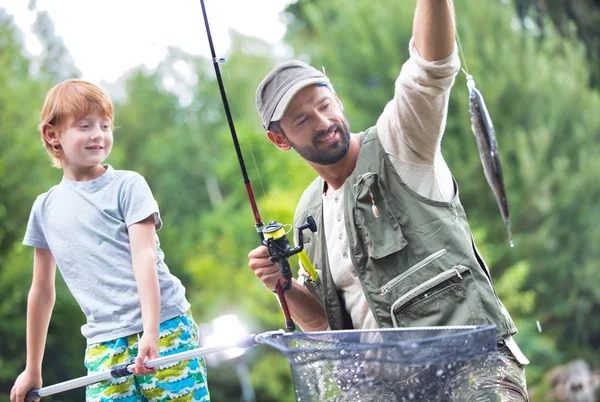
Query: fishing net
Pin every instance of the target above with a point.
(388, 365)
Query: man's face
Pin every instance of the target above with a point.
(315, 126)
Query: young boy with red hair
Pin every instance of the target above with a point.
(99, 226)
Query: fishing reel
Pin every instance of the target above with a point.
(279, 247)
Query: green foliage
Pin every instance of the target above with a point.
(547, 127)
(571, 18)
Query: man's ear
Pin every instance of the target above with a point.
(50, 134)
(279, 140)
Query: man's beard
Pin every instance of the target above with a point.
(329, 154)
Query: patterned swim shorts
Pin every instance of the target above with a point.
(182, 381)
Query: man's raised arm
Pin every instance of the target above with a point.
(433, 29)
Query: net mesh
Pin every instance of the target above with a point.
(401, 364)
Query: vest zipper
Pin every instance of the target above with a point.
(457, 270)
(427, 260)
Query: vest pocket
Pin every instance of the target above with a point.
(378, 227)
(449, 298)
(419, 265)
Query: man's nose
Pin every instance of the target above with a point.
(322, 122)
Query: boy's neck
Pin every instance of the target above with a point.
(84, 174)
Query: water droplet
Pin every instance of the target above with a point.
(439, 372)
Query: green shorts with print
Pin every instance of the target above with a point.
(183, 381)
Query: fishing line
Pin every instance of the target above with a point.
(465, 70)
(248, 143)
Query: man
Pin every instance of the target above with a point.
(393, 248)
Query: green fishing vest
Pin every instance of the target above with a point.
(416, 261)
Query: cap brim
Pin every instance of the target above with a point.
(290, 93)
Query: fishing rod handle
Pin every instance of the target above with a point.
(32, 395)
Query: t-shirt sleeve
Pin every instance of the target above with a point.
(138, 203)
(34, 235)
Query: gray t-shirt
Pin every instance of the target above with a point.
(84, 224)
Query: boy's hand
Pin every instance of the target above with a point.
(26, 381)
(147, 349)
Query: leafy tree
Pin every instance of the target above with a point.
(580, 18)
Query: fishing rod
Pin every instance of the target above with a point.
(273, 235)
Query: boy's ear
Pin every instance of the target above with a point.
(50, 134)
(279, 140)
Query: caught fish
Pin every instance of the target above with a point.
(482, 127)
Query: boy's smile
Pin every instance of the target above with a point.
(95, 148)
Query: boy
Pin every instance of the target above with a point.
(99, 225)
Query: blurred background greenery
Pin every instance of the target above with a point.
(538, 65)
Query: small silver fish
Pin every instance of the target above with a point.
(483, 129)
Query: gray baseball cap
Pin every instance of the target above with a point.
(279, 87)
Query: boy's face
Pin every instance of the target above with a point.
(86, 142)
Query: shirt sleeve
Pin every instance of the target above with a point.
(412, 123)
(137, 202)
(34, 234)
